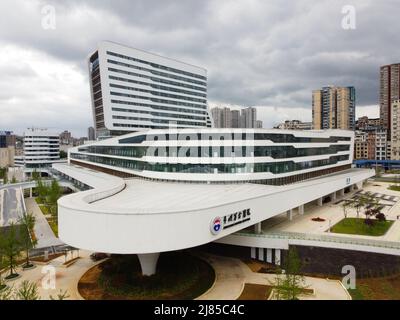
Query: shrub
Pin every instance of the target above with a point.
(381, 217)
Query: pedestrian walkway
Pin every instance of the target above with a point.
(43, 232)
(66, 278)
(232, 274)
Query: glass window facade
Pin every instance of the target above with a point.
(274, 137)
(275, 152)
(273, 167)
(156, 65)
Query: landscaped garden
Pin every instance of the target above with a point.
(394, 187)
(47, 196)
(14, 240)
(359, 227)
(374, 222)
(180, 275)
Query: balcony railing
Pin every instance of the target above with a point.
(323, 238)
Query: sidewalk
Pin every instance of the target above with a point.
(43, 232)
(232, 274)
(66, 278)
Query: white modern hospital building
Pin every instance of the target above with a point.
(162, 190)
(132, 90)
(176, 183)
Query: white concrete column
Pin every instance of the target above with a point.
(278, 257)
(261, 254)
(148, 262)
(320, 201)
(253, 253)
(301, 209)
(269, 255)
(341, 192)
(360, 185)
(257, 227)
(30, 192)
(289, 214)
(333, 196)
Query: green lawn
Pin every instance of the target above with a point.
(53, 226)
(394, 188)
(45, 210)
(38, 200)
(357, 226)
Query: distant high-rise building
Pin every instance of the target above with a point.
(334, 108)
(133, 90)
(65, 137)
(395, 130)
(382, 145)
(7, 139)
(227, 118)
(7, 155)
(249, 117)
(235, 116)
(389, 92)
(91, 134)
(361, 145)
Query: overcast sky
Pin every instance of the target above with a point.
(264, 53)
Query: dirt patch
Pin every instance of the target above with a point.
(384, 288)
(253, 291)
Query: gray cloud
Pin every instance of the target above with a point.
(264, 53)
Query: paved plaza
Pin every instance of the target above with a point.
(332, 213)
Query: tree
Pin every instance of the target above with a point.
(292, 284)
(14, 180)
(378, 172)
(6, 293)
(372, 208)
(63, 154)
(358, 203)
(5, 178)
(28, 221)
(345, 206)
(11, 248)
(62, 295)
(380, 216)
(3, 174)
(2, 285)
(35, 175)
(27, 291)
(41, 190)
(53, 195)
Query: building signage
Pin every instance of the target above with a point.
(230, 220)
(348, 181)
